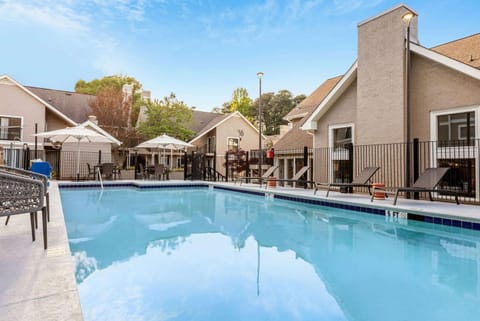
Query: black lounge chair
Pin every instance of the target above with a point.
(426, 183)
(362, 180)
(264, 177)
(297, 178)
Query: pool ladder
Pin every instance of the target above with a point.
(100, 177)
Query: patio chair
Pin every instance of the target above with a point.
(91, 171)
(362, 180)
(34, 175)
(297, 178)
(107, 170)
(426, 183)
(20, 195)
(158, 171)
(265, 176)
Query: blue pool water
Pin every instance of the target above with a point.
(199, 254)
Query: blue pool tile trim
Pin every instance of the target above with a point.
(129, 185)
(240, 191)
(376, 211)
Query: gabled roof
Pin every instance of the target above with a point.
(39, 99)
(214, 123)
(333, 95)
(313, 100)
(74, 105)
(98, 129)
(296, 138)
(200, 119)
(465, 50)
(446, 61)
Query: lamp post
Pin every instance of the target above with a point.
(260, 157)
(407, 18)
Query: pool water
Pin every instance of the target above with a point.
(200, 254)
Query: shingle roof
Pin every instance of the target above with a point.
(211, 124)
(72, 104)
(200, 119)
(296, 138)
(313, 100)
(465, 50)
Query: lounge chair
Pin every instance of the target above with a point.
(426, 183)
(264, 177)
(297, 178)
(362, 180)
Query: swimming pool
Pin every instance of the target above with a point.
(202, 254)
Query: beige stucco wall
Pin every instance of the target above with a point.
(16, 102)
(342, 112)
(435, 87)
(380, 78)
(230, 128)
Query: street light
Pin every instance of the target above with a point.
(260, 157)
(407, 19)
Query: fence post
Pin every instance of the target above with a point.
(185, 164)
(226, 166)
(305, 163)
(416, 164)
(99, 156)
(247, 168)
(36, 140)
(215, 166)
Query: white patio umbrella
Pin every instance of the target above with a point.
(75, 134)
(164, 142)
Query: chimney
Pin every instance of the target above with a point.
(381, 75)
(93, 119)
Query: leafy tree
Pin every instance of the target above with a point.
(111, 110)
(274, 108)
(241, 102)
(116, 82)
(167, 116)
(299, 98)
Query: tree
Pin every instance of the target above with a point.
(117, 82)
(111, 110)
(167, 116)
(96, 85)
(241, 102)
(274, 108)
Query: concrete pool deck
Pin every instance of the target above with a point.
(40, 285)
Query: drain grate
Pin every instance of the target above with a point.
(56, 251)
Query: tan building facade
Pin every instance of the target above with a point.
(373, 101)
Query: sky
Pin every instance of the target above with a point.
(202, 50)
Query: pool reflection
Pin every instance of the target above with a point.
(203, 255)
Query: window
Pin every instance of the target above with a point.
(456, 129)
(211, 144)
(233, 144)
(341, 139)
(10, 128)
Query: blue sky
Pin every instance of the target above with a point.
(202, 49)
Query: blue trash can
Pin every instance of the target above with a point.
(41, 168)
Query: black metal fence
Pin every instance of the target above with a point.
(343, 164)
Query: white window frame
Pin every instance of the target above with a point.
(331, 128)
(21, 126)
(233, 137)
(468, 151)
